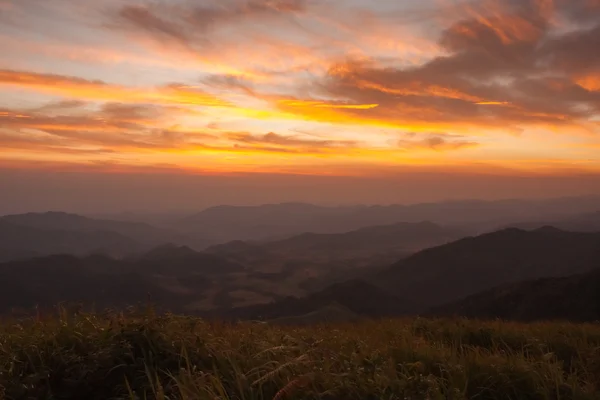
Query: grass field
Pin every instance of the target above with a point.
(134, 356)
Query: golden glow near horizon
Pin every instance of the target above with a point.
(274, 86)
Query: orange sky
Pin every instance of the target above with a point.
(335, 88)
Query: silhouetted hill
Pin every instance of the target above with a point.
(19, 242)
(453, 271)
(357, 296)
(574, 298)
(140, 232)
(99, 281)
(171, 277)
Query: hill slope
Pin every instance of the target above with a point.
(358, 296)
(171, 278)
(453, 271)
(574, 298)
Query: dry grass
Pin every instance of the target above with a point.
(133, 356)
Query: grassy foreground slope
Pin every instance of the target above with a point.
(171, 357)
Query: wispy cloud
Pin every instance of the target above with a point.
(75, 87)
(233, 83)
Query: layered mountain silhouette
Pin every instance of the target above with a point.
(137, 231)
(20, 242)
(272, 221)
(170, 276)
(513, 274)
(400, 238)
(315, 260)
(574, 298)
(394, 269)
(40, 234)
(94, 280)
(453, 271)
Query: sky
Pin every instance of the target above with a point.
(346, 101)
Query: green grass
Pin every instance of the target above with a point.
(118, 356)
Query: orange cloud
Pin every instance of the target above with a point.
(590, 82)
(484, 69)
(99, 90)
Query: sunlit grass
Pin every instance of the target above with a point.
(147, 356)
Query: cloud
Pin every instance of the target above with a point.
(189, 24)
(506, 66)
(121, 128)
(290, 141)
(356, 72)
(80, 88)
(113, 126)
(144, 19)
(61, 105)
(231, 82)
(574, 53)
(434, 141)
(47, 144)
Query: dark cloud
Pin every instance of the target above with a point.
(61, 105)
(230, 82)
(437, 142)
(581, 11)
(188, 24)
(573, 53)
(132, 112)
(280, 140)
(147, 20)
(505, 67)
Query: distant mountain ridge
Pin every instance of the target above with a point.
(315, 260)
(40, 234)
(54, 220)
(269, 221)
(589, 222)
(402, 237)
(20, 242)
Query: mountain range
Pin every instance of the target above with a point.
(20, 242)
(308, 258)
(462, 278)
(277, 221)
